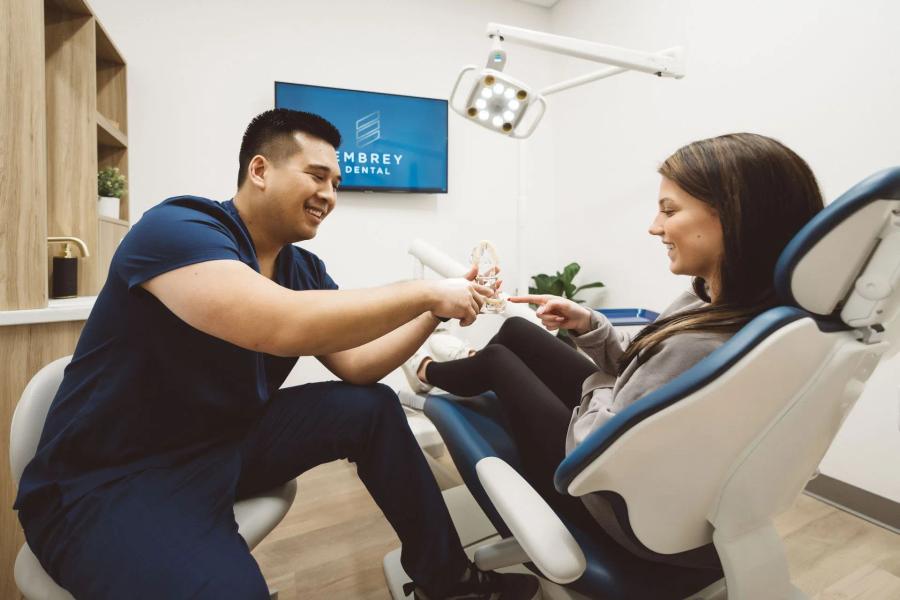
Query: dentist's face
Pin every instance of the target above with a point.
(304, 187)
(691, 232)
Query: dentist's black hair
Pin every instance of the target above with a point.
(271, 134)
(762, 193)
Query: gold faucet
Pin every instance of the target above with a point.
(70, 240)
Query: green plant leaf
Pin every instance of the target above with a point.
(587, 286)
(558, 287)
(570, 272)
(561, 283)
(543, 284)
(110, 182)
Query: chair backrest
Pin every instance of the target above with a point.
(31, 412)
(732, 441)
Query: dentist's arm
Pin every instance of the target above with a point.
(229, 300)
(370, 362)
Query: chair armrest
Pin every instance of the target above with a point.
(535, 525)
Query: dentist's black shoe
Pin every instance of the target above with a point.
(485, 585)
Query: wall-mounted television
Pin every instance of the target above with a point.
(390, 143)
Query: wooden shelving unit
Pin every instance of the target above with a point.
(112, 109)
(65, 115)
(87, 129)
(71, 133)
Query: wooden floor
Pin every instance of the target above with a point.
(331, 543)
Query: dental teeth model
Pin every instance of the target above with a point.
(485, 256)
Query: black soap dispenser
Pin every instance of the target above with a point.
(64, 283)
(65, 275)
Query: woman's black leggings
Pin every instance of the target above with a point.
(537, 379)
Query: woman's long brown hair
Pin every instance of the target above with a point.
(763, 193)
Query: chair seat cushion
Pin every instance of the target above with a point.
(257, 516)
(472, 429)
(33, 581)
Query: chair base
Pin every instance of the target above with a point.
(755, 565)
(475, 531)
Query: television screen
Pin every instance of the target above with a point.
(389, 142)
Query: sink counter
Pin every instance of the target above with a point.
(65, 309)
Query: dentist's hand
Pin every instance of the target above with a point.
(459, 298)
(558, 313)
(495, 272)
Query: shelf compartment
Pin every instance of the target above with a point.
(108, 134)
(106, 49)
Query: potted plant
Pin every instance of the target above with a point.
(110, 187)
(562, 284)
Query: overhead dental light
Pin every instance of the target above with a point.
(493, 99)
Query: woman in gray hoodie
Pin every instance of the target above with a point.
(727, 207)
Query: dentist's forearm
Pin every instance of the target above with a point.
(333, 321)
(373, 361)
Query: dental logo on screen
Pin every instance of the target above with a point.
(368, 131)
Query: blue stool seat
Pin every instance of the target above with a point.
(473, 429)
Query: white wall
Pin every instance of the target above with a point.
(818, 75)
(198, 72)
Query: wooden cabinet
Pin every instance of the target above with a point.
(24, 350)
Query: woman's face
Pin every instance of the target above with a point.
(691, 232)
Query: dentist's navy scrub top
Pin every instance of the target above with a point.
(144, 389)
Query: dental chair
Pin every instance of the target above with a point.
(707, 461)
(256, 517)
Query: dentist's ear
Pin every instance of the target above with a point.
(256, 171)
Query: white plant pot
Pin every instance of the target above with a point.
(108, 207)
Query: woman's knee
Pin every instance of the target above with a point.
(497, 355)
(514, 324)
(515, 328)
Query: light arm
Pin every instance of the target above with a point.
(664, 64)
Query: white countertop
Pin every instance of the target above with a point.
(66, 309)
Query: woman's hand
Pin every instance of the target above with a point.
(558, 313)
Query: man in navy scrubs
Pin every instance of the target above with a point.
(171, 409)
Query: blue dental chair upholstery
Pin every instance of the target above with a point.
(713, 456)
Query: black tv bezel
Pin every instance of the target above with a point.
(408, 190)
